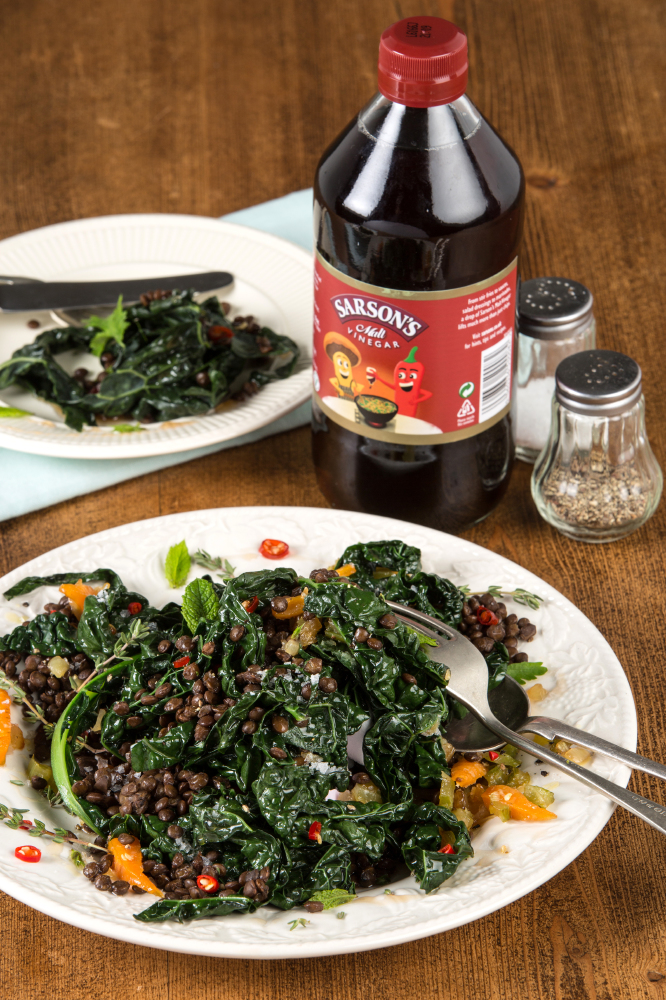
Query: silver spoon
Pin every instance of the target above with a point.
(510, 704)
(468, 684)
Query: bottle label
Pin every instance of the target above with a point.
(413, 367)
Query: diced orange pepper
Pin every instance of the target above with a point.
(5, 725)
(467, 772)
(77, 592)
(294, 608)
(519, 805)
(127, 865)
(347, 570)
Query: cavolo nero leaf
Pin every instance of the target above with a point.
(177, 564)
(111, 328)
(195, 909)
(200, 602)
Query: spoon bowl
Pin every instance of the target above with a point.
(508, 702)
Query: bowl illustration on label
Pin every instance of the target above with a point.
(376, 410)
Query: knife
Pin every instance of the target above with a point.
(30, 295)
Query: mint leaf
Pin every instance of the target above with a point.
(332, 897)
(522, 672)
(177, 565)
(11, 411)
(200, 601)
(111, 328)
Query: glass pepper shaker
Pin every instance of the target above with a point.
(597, 479)
(554, 320)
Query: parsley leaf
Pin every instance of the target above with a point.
(200, 601)
(111, 328)
(177, 565)
(522, 672)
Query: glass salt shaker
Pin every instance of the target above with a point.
(597, 479)
(554, 320)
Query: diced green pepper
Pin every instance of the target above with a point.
(539, 796)
(497, 775)
(507, 760)
(518, 779)
(446, 791)
(465, 816)
(497, 809)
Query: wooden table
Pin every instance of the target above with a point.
(205, 107)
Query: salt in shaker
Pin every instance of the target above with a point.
(554, 320)
(597, 480)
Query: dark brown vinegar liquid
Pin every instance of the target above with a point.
(420, 199)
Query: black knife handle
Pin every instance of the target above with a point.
(31, 296)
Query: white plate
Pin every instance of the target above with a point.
(273, 281)
(588, 689)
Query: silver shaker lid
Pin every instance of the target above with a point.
(598, 383)
(553, 308)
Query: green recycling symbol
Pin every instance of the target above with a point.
(466, 389)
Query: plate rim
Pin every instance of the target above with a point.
(300, 381)
(141, 936)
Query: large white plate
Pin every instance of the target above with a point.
(273, 282)
(588, 688)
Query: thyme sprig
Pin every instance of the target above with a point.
(15, 819)
(213, 563)
(137, 632)
(519, 595)
(20, 696)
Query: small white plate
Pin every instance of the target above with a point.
(587, 687)
(273, 281)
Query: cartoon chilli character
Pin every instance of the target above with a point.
(406, 384)
(345, 356)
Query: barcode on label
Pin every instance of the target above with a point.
(495, 378)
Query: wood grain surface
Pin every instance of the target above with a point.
(207, 106)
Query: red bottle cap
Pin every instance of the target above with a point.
(423, 62)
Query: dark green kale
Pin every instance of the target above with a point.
(255, 738)
(393, 569)
(171, 357)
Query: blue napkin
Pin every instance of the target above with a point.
(35, 481)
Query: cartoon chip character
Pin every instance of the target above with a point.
(345, 356)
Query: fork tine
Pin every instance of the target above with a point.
(420, 616)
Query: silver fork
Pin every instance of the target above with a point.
(468, 684)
